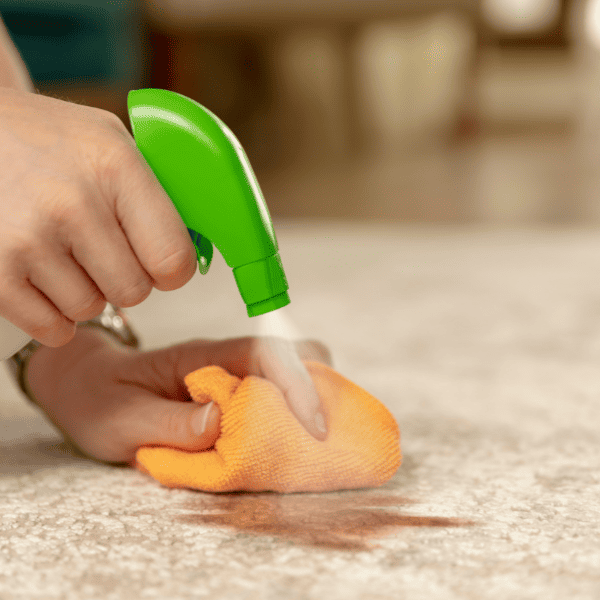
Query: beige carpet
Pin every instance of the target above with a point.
(486, 347)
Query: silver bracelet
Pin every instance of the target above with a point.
(112, 319)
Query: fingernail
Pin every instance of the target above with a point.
(200, 420)
(320, 422)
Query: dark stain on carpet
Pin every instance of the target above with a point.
(345, 522)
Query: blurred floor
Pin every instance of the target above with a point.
(526, 155)
(495, 177)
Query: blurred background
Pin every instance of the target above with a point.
(408, 110)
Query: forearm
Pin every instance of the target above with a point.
(13, 72)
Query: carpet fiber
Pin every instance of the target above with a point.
(485, 346)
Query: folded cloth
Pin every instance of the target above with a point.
(262, 447)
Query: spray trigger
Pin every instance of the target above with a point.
(204, 250)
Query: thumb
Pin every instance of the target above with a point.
(185, 425)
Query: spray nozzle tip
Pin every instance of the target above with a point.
(271, 304)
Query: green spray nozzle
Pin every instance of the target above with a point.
(206, 173)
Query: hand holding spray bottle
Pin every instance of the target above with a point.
(204, 170)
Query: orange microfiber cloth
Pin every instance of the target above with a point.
(262, 447)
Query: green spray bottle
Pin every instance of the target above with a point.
(206, 173)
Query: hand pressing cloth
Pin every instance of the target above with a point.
(262, 447)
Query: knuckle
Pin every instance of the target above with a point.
(314, 350)
(132, 294)
(87, 308)
(174, 262)
(53, 330)
(177, 423)
(118, 156)
(68, 210)
(106, 122)
(23, 245)
(125, 153)
(113, 121)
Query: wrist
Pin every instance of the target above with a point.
(110, 330)
(47, 364)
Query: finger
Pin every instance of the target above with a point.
(152, 224)
(187, 425)
(314, 350)
(99, 245)
(238, 356)
(276, 359)
(280, 363)
(30, 310)
(68, 286)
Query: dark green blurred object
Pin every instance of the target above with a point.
(66, 40)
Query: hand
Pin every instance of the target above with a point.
(111, 400)
(84, 219)
(13, 72)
